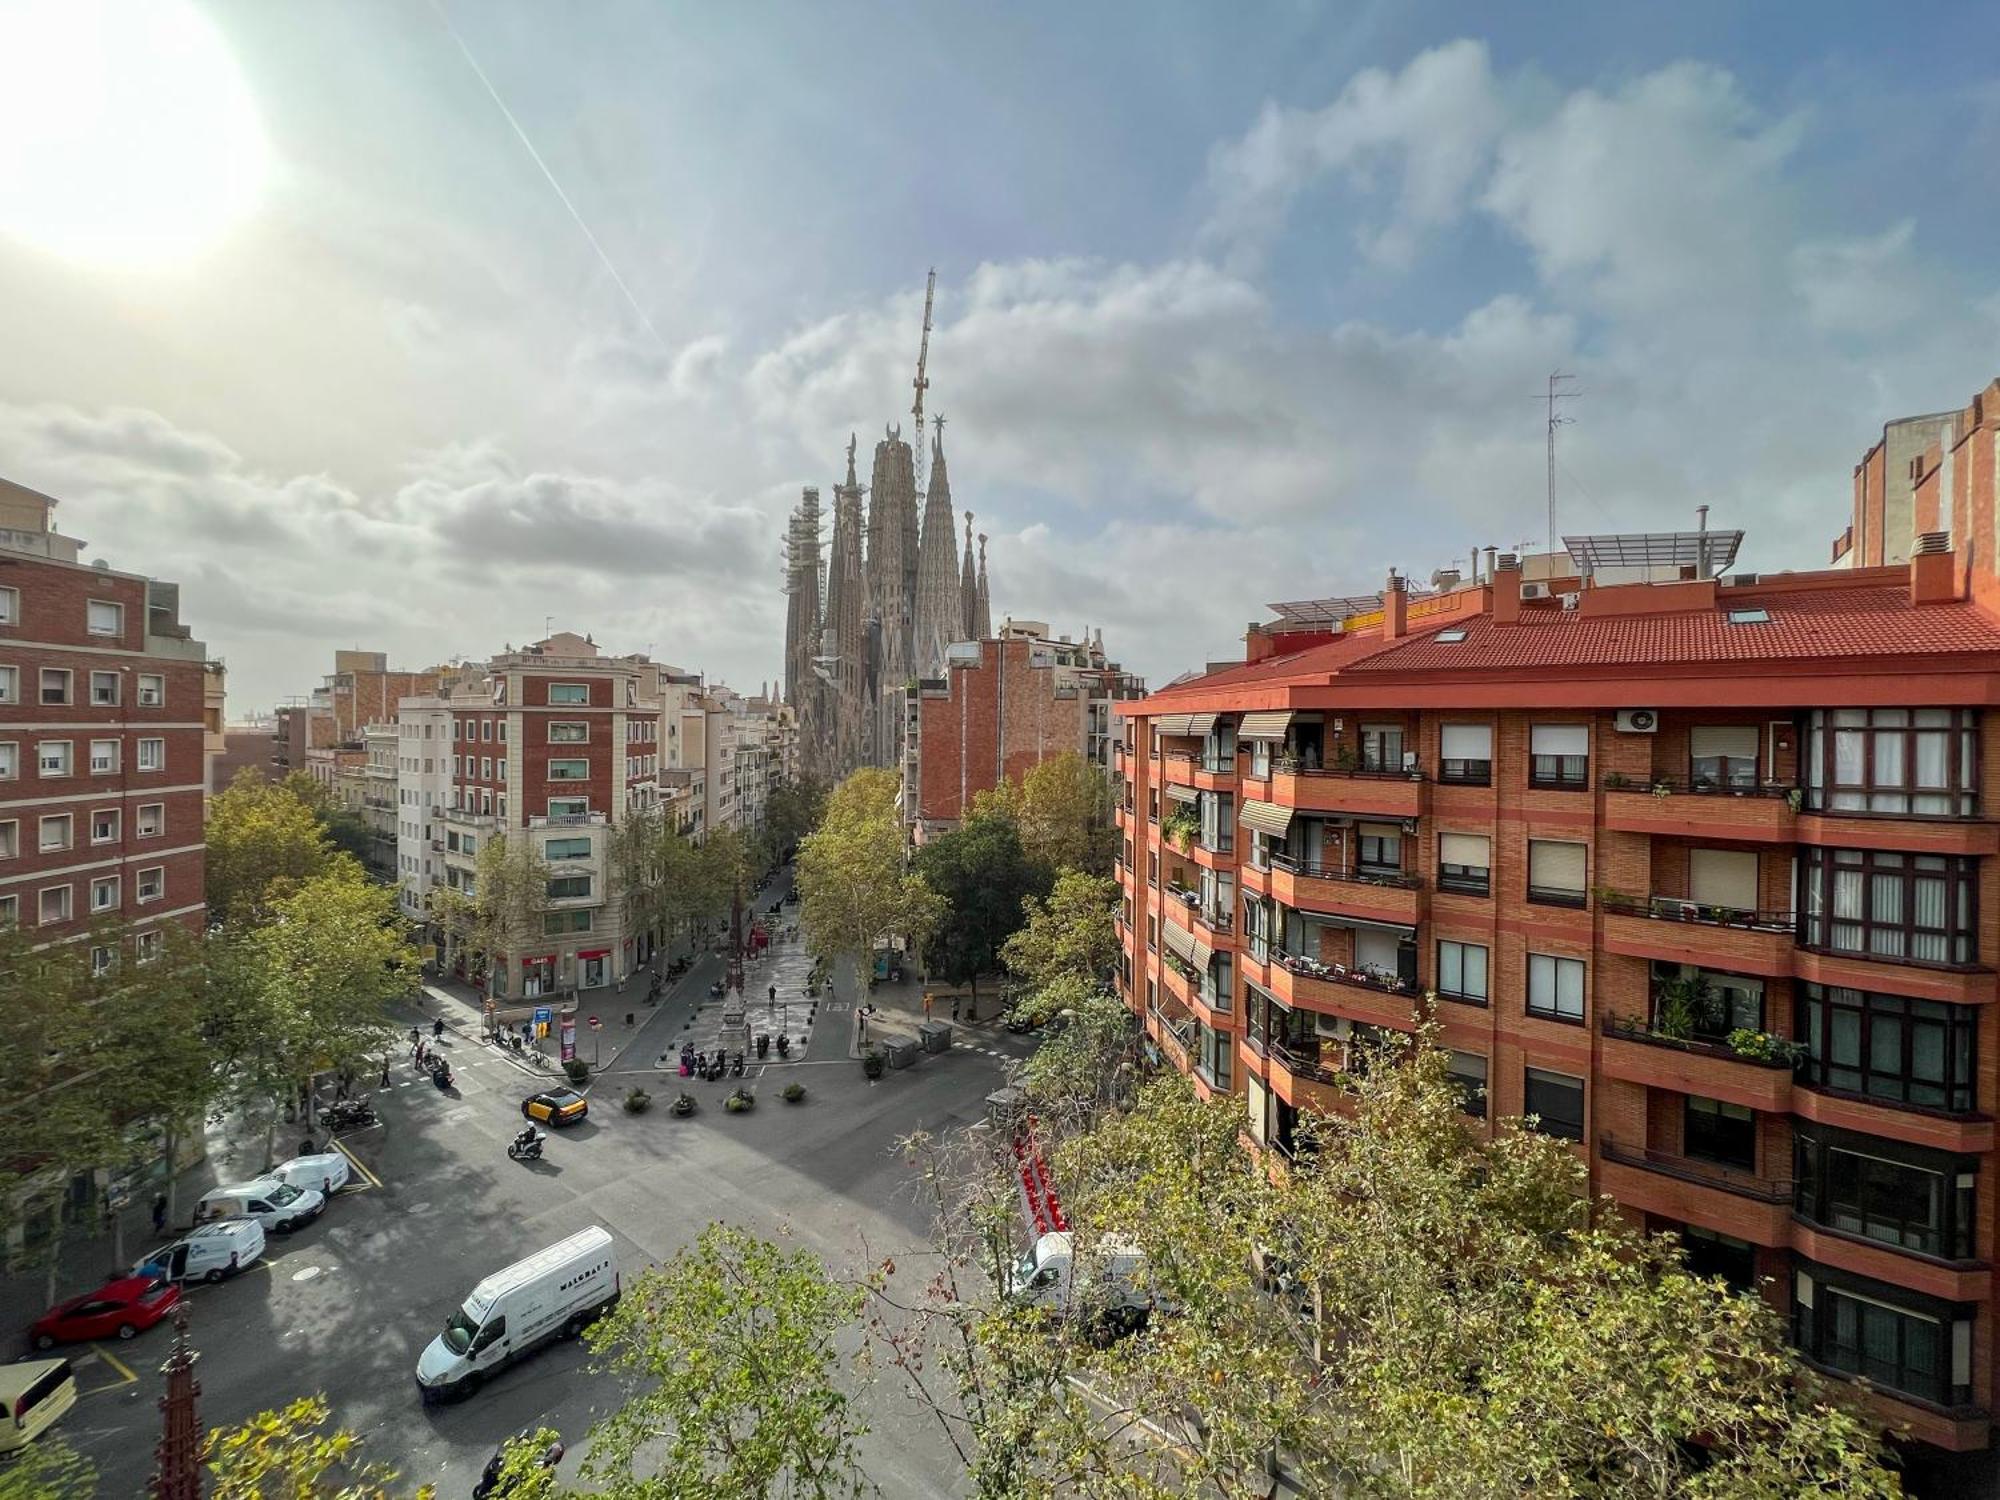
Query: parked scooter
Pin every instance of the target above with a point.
(489, 1477)
(527, 1146)
(349, 1114)
(736, 1067)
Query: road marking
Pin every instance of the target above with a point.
(117, 1364)
(358, 1165)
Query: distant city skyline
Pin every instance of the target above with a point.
(1227, 312)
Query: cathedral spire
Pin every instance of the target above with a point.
(968, 588)
(940, 607)
(983, 620)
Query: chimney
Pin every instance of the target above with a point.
(1489, 564)
(1506, 574)
(1395, 607)
(1933, 578)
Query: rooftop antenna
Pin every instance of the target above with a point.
(922, 382)
(1556, 393)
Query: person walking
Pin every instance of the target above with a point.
(437, 1029)
(416, 1041)
(160, 1214)
(385, 1070)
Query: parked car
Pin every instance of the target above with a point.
(33, 1393)
(555, 1107)
(122, 1309)
(278, 1206)
(206, 1254)
(326, 1171)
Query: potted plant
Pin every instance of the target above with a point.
(1617, 781)
(1795, 798)
(638, 1101)
(1684, 1007)
(740, 1101)
(683, 1104)
(1181, 826)
(1766, 1047)
(872, 1063)
(1662, 789)
(576, 1069)
(1346, 758)
(792, 1093)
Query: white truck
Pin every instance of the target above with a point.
(1100, 1282)
(554, 1293)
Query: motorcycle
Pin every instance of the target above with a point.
(527, 1146)
(489, 1477)
(441, 1075)
(716, 990)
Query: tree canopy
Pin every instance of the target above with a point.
(981, 872)
(856, 889)
(1063, 810)
(1067, 934)
(264, 838)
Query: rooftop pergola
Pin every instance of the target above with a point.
(1711, 552)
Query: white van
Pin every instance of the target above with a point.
(276, 1206)
(1046, 1275)
(206, 1254)
(554, 1293)
(33, 1394)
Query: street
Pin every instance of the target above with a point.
(345, 1305)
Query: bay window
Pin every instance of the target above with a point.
(1898, 1340)
(1916, 762)
(1911, 1197)
(1916, 908)
(1890, 1047)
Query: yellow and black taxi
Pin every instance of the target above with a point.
(555, 1107)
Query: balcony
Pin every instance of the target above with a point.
(1636, 1053)
(1301, 1079)
(1214, 918)
(1700, 808)
(1368, 895)
(1360, 994)
(466, 818)
(1187, 768)
(1683, 1188)
(1361, 790)
(1684, 931)
(569, 820)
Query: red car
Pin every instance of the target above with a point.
(124, 1307)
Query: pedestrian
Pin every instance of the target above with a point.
(927, 1005)
(437, 1029)
(419, 1057)
(160, 1214)
(954, 1007)
(416, 1038)
(385, 1070)
(343, 1086)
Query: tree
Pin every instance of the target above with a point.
(855, 889)
(1063, 808)
(264, 839)
(791, 812)
(1090, 1059)
(510, 894)
(671, 882)
(48, 1469)
(284, 1453)
(1068, 933)
(736, 1337)
(985, 879)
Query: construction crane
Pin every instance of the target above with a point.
(922, 382)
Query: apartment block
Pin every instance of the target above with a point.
(1004, 706)
(1699, 871)
(103, 739)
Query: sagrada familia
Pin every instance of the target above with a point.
(880, 613)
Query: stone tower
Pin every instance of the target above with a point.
(982, 621)
(892, 587)
(940, 617)
(846, 631)
(804, 689)
(968, 589)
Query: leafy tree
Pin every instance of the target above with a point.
(264, 839)
(1091, 1059)
(855, 889)
(284, 1453)
(510, 894)
(672, 883)
(1068, 933)
(985, 879)
(791, 812)
(736, 1337)
(48, 1469)
(1063, 808)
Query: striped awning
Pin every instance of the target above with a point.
(1179, 941)
(1172, 724)
(1200, 724)
(1266, 817)
(1201, 955)
(1182, 793)
(1269, 725)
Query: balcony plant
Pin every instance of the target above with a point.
(1617, 781)
(1766, 1047)
(1181, 826)
(1346, 758)
(1686, 1007)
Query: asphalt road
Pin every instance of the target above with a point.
(345, 1305)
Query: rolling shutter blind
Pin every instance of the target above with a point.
(1200, 724)
(1464, 849)
(1468, 742)
(1265, 726)
(1174, 724)
(1179, 941)
(1558, 739)
(1737, 741)
(1723, 877)
(1266, 817)
(1182, 793)
(1555, 867)
(1199, 953)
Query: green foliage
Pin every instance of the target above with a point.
(873, 1064)
(733, 1340)
(510, 894)
(576, 1069)
(284, 1455)
(1089, 1060)
(984, 877)
(791, 812)
(638, 1101)
(1068, 933)
(1687, 1006)
(48, 1469)
(855, 889)
(1181, 825)
(740, 1101)
(671, 881)
(1062, 808)
(793, 1093)
(1766, 1047)
(264, 840)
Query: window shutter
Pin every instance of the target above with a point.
(1468, 742)
(1556, 867)
(1737, 741)
(1558, 739)
(1464, 849)
(1723, 877)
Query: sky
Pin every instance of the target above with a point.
(422, 325)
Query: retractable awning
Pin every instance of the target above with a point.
(1270, 724)
(1266, 817)
(1200, 724)
(1172, 724)
(1179, 941)
(1182, 793)
(1201, 955)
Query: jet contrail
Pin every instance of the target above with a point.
(508, 114)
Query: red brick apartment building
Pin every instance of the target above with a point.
(101, 739)
(1554, 808)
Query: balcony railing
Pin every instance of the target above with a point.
(1304, 1065)
(1687, 1169)
(1632, 1029)
(1705, 913)
(1181, 1029)
(1395, 879)
(1698, 786)
(1378, 980)
(1291, 765)
(568, 820)
(1212, 917)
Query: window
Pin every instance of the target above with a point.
(52, 757)
(569, 692)
(1722, 1256)
(1722, 756)
(1559, 756)
(1556, 1101)
(567, 887)
(486, 730)
(1379, 849)
(1461, 972)
(1465, 863)
(10, 912)
(1466, 754)
(556, 923)
(10, 606)
(151, 883)
(1449, 637)
(1725, 878)
(1888, 1047)
(485, 768)
(152, 690)
(152, 755)
(1748, 617)
(55, 833)
(1212, 1055)
(148, 946)
(55, 685)
(500, 731)
(103, 757)
(1154, 809)
(1556, 873)
(569, 770)
(152, 819)
(104, 893)
(565, 733)
(53, 905)
(567, 849)
(102, 617)
(1723, 1133)
(1896, 1339)
(102, 958)
(10, 761)
(104, 689)
(1219, 983)
(10, 684)
(1733, 1001)
(1555, 987)
(10, 838)
(500, 769)
(568, 807)
(1468, 1071)
(1909, 1196)
(1911, 761)
(1914, 907)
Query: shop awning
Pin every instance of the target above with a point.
(595, 953)
(1182, 793)
(540, 960)
(1179, 941)
(1266, 817)
(1268, 725)
(1200, 724)
(1172, 724)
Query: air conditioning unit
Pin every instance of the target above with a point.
(1571, 601)
(1638, 721)
(1534, 590)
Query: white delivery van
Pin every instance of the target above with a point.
(277, 1206)
(1047, 1275)
(552, 1294)
(206, 1254)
